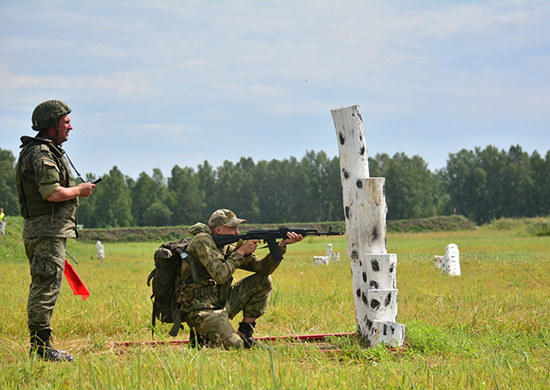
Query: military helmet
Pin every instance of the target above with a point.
(48, 113)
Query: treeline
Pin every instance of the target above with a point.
(481, 184)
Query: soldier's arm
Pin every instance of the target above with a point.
(219, 268)
(61, 194)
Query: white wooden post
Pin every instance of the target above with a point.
(381, 320)
(323, 260)
(100, 250)
(354, 165)
(373, 269)
(329, 251)
(451, 261)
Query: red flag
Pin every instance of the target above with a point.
(75, 282)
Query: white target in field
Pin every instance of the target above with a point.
(451, 261)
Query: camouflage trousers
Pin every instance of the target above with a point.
(249, 295)
(47, 262)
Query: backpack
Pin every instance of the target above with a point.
(164, 280)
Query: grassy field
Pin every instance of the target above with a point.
(488, 328)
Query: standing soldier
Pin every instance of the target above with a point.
(48, 200)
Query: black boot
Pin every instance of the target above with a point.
(245, 331)
(42, 347)
(196, 340)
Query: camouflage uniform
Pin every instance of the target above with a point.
(41, 169)
(208, 304)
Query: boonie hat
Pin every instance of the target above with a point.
(224, 217)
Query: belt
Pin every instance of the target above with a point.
(201, 292)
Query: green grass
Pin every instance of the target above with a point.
(488, 328)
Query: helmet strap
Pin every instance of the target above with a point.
(57, 133)
(45, 134)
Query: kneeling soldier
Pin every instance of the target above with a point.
(207, 298)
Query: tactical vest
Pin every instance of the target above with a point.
(30, 200)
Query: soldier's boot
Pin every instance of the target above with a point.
(42, 347)
(245, 331)
(196, 340)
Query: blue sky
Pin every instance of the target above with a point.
(154, 84)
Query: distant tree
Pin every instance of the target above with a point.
(442, 200)
(236, 189)
(270, 184)
(113, 204)
(490, 184)
(147, 191)
(8, 190)
(482, 184)
(410, 186)
(158, 214)
(223, 193)
(246, 201)
(86, 212)
(519, 199)
(467, 184)
(320, 189)
(540, 174)
(301, 189)
(307, 187)
(206, 178)
(184, 197)
(332, 193)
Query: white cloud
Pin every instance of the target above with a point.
(11, 82)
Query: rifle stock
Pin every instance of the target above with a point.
(270, 236)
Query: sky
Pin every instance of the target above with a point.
(155, 84)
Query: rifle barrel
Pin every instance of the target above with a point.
(271, 235)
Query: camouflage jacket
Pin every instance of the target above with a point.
(216, 266)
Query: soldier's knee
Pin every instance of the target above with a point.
(234, 342)
(267, 283)
(227, 340)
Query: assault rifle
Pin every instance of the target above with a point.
(269, 237)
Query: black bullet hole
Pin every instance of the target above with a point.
(345, 173)
(388, 300)
(375, 265)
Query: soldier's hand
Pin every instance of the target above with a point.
(292, 237)
(248, 247)
(86, 189)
